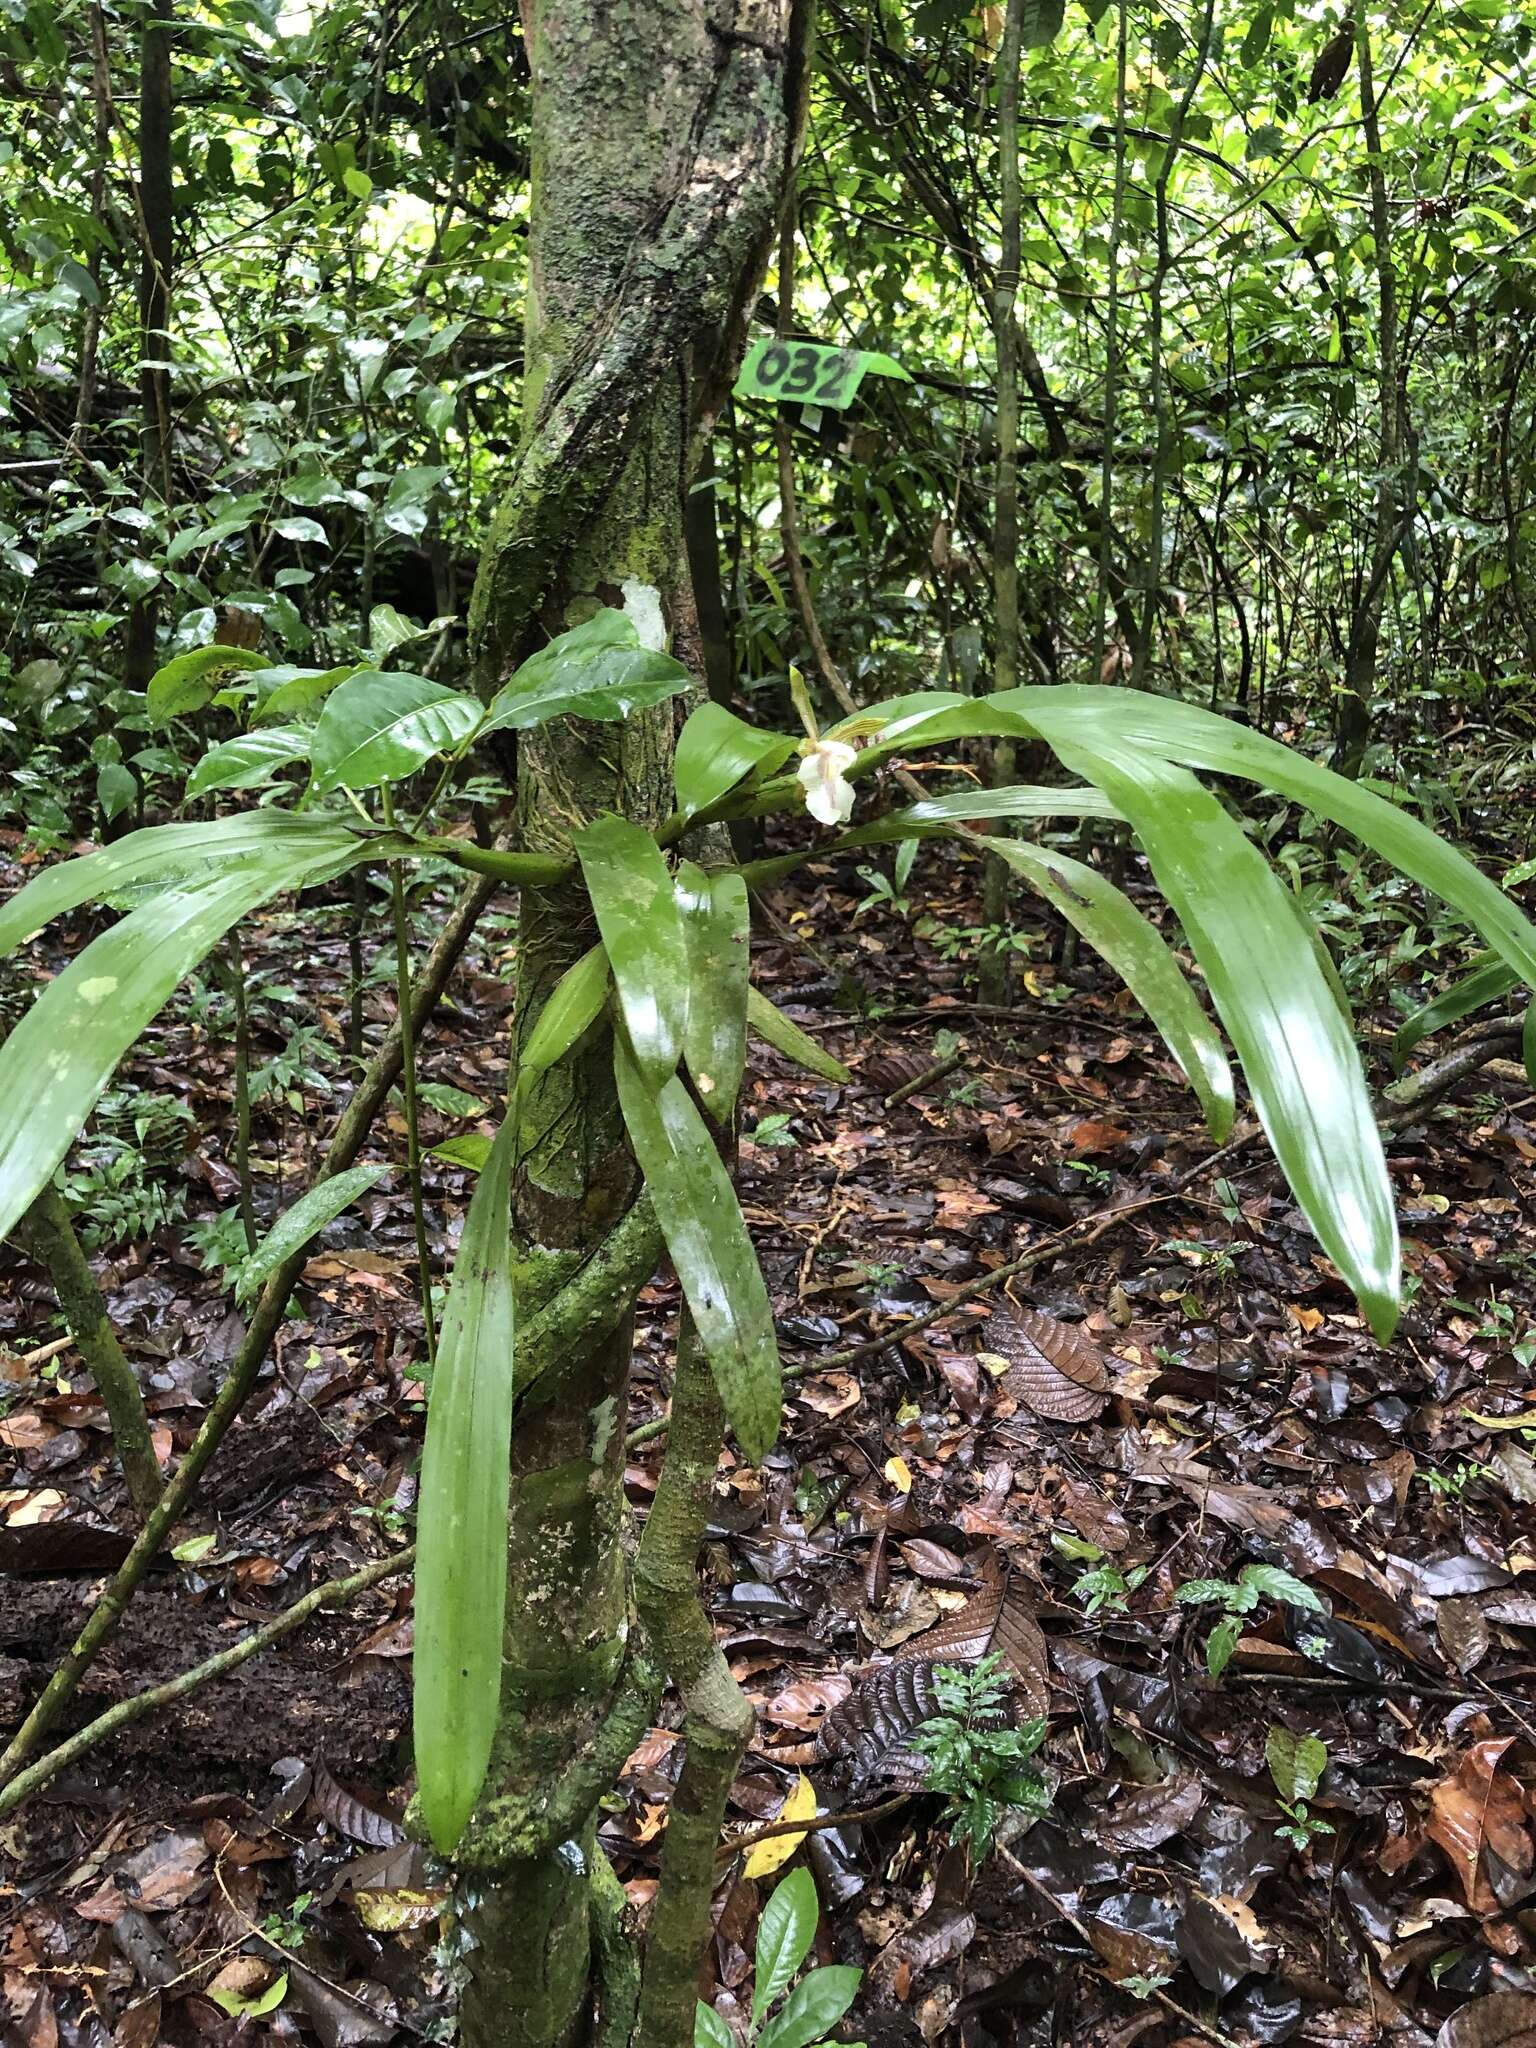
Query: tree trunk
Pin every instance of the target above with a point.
(156, 202)
(1354, 719)
(1005, 518)
(663, 137)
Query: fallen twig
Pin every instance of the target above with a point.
(818, 1824)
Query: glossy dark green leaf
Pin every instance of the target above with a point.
(461, 1544)
(470, 1151)
(784, 1936)
(817, 2002)
(292, 692)
(772, 1026)
(1116, 929)
(1256, 41)
(116, 789)
(632, 896)
(709, 2030)
(163, 856)
(716, 750)
(61, 1055)
(701, 1221)
(1040, 22)
(243, 763)
(1489, 979)
(575, 1003)
(1298, 1055)
(1296, 1762)
(187, 681)
(309, 1215)
(598, 669)
(381, 725)
(717, 933)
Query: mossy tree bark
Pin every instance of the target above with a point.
(664, 132)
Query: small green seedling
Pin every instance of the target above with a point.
(1104, 1585)
(1297, 1763)
(287, 1930)
(1454, 1484)
(975, 1760)
(784, 1936)
(773, 1131)
(1140, 1986)
(1240, 1596)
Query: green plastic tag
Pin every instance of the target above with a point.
(809, 371)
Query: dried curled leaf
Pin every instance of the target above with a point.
(1331, 64)
(1051, 1369)
(350, 1815)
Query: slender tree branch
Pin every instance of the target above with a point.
(51, 1235)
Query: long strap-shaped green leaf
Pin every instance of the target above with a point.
(461, 1545)
(1200, 739)
(631, 891)
(716, 929)
(1297, 1053)
(1489, 979)
(770, 1024)
(306, 1219)
(1088, 713)
(1013, 800)
(61, 1055)
(702, 1223)
(1116, 929)
(182, 854)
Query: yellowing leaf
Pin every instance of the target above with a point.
(769, 1856)
(899, 1473)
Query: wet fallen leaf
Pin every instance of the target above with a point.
(1479, 1804)
(1504, 2019)
(769, 1856)
(1050, 1368)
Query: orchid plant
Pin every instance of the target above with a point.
(666, 981)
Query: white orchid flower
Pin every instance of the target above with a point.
(823, 771)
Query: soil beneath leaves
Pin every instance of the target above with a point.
(1179, 1391)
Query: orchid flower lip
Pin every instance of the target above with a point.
(823, 776)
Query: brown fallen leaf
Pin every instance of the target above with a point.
(164, 1873)
(1476, 1805)
(804, 1706)
(1151, 1814)
(911, 1610)
(1504, 2019)
(1463, 1631)
(350, 1815)
(998, 1617)
(1051, 1369)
